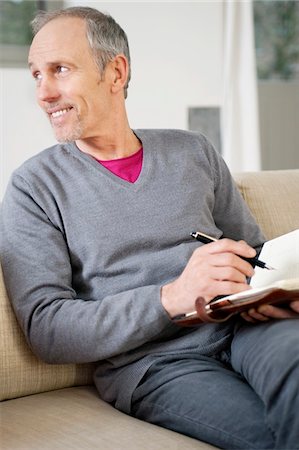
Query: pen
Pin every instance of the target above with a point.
(205, 239)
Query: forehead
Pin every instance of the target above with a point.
(61, 38)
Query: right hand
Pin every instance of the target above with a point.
(213, 269)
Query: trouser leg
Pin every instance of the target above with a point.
(267, 355)
(202, 398)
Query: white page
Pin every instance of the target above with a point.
(281, 253)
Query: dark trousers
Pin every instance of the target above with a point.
(245, 398)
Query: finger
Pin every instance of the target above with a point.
(295, 306)
(230, 263)
(275, 312)
(248, 318)
(224, 288)
(257, 315)
(229, 274)
(228, 245)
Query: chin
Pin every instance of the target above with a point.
(64, 136)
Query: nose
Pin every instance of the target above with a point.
(47, 90)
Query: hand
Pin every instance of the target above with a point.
(213, 269)
(267, 312)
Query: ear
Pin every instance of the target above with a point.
(120, 71)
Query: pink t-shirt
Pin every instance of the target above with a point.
(127, 168)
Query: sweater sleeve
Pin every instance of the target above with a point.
(231, 213)
(59, 327)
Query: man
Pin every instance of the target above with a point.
(97, 256)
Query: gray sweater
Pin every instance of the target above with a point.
(85, 253)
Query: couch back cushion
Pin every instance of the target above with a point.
(273, 198)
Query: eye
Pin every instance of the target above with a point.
(37, 76)
(61, 69)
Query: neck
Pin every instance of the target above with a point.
(112, 142)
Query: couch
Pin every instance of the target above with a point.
(57, 407)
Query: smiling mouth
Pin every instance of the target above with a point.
(60, 113)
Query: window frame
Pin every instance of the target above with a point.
(15, 56)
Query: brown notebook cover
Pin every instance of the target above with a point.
(222, 309)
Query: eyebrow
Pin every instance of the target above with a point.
(51, 64)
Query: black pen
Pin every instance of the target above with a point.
(205, 239)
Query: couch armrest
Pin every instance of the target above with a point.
(21, 373)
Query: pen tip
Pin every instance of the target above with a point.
(270, 268)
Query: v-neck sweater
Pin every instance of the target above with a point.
(85, 253)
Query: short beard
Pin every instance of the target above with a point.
(64, 135)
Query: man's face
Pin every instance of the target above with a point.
(70, 88)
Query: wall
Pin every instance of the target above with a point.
(176, 50)
(279, 120)
(25, 129)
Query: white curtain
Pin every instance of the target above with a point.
(239, 112)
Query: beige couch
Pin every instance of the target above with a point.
(56, 407)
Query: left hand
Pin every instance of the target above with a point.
(267, 312)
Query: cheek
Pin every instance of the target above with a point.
(41, 104)
(97, 102)
(88, 96)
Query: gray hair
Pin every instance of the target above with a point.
(106, 38)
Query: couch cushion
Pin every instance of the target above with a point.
(21, 373)
(273, 197)
(75, 418)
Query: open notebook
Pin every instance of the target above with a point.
(278, 286)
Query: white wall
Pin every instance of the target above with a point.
(25, 130)
(176, 51)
